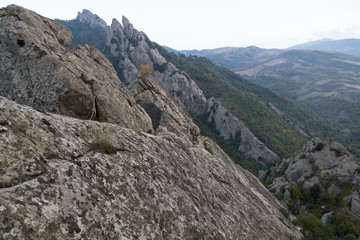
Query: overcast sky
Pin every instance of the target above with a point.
(206, 24)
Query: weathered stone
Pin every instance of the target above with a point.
(228, 125)
(167, 117)
(133, 48)
(299, 170)
(91, 19)
(39, 71)
(278, 185)
(328, 167)
(153, 187)
(310, 182)
(325, 218)
(355, 205)
(67, 178)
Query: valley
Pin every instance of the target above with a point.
(327, 82)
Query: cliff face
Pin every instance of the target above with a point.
(141, 171)
(130, 48)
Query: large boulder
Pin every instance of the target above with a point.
(57, 183)
(38, 70)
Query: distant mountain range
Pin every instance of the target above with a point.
(349, 46)
(328, 82)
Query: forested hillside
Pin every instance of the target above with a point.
(233, 90)
(326, 82)
(244, 99)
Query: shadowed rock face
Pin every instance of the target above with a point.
(167, 117)
(57, 182)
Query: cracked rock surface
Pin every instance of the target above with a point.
(37, 70)
(55, 186)
(63, 177)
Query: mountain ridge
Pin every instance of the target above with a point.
(160, 67)
(66, 177)
(349, 46)
(314, 78)
(130, 48)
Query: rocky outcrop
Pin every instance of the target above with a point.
(329, 168)
(63, 177)
(132, 48)
(228, 125)
(167, 117)
(291, 123)
(55, 185)
(39, 71)
(92, 19)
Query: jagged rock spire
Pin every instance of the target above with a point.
(88, 17)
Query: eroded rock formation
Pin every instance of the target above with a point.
(132, 48)
(63, 177)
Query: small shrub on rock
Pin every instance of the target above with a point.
(320, 146)
(103, 145)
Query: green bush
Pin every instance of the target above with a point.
(338, 152)
(300, 193)
(320, 146)
(103, 145)
(4, 12)
(350, 237)
(313, 228)
(345, 225)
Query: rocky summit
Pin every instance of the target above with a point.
(83, 157)
(129, 48)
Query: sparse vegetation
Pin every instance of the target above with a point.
(200, 235)
(320, 146)
(4, 12)
(313, 228)
(20, 126)
(230, 146)
(102, 144)
(243, 99)
(145, 70)
(285, 212)
(338, 152)
(161, 68)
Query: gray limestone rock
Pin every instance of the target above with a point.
(299, 169)
(228, 125)
(330, 167)
(92, 19)
(134, 48)
(325, 218)
(355, 205)
(55, 185)
(64, 177)
(167, 117)
(39, 71)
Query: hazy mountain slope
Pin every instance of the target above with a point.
(120, 176)
(128, 48)
(328, 82)
(349, 46)
(242, 98)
